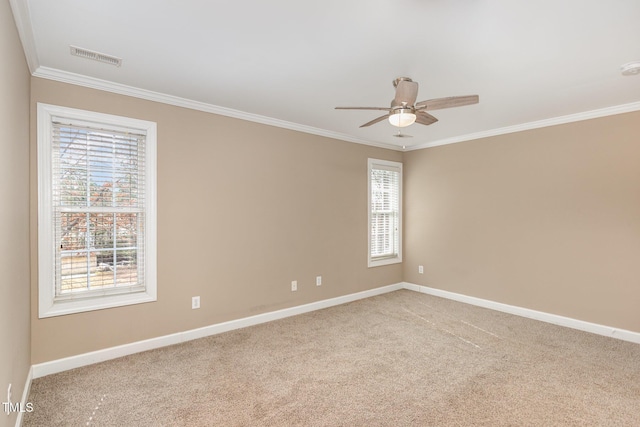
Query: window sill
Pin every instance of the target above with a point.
(384, 261)
(71, 306)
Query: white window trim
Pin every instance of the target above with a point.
(390, 260)
(47, 306)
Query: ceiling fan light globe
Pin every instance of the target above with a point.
(402, 119)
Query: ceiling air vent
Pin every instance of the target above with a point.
(96, 56)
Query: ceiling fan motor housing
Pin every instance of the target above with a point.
(399, 104)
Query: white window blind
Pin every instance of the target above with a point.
(97, 208)
(98, 202)
(385, 213)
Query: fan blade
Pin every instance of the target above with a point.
(406, 92)
(452, 101)
(363, 108)
(374, 121)
(425, 118)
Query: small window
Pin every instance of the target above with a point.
(96, 211)
(385, 212)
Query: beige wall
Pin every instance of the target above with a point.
(243, 209)
(547, 219)
(14, 213)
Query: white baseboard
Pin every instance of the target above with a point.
(60, 365)
(25, 396)
(608, 331)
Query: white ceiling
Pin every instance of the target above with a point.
(290, 62)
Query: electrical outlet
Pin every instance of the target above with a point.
(294, 286)
(318, 280)
(421, 269)
(195, 302)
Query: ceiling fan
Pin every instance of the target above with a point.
(404, 110)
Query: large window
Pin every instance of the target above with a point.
(385, 212)
(96, 210)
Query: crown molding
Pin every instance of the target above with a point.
(104, 85)
(570, 118)
(22, 18)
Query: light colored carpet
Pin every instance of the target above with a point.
(399, 359)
